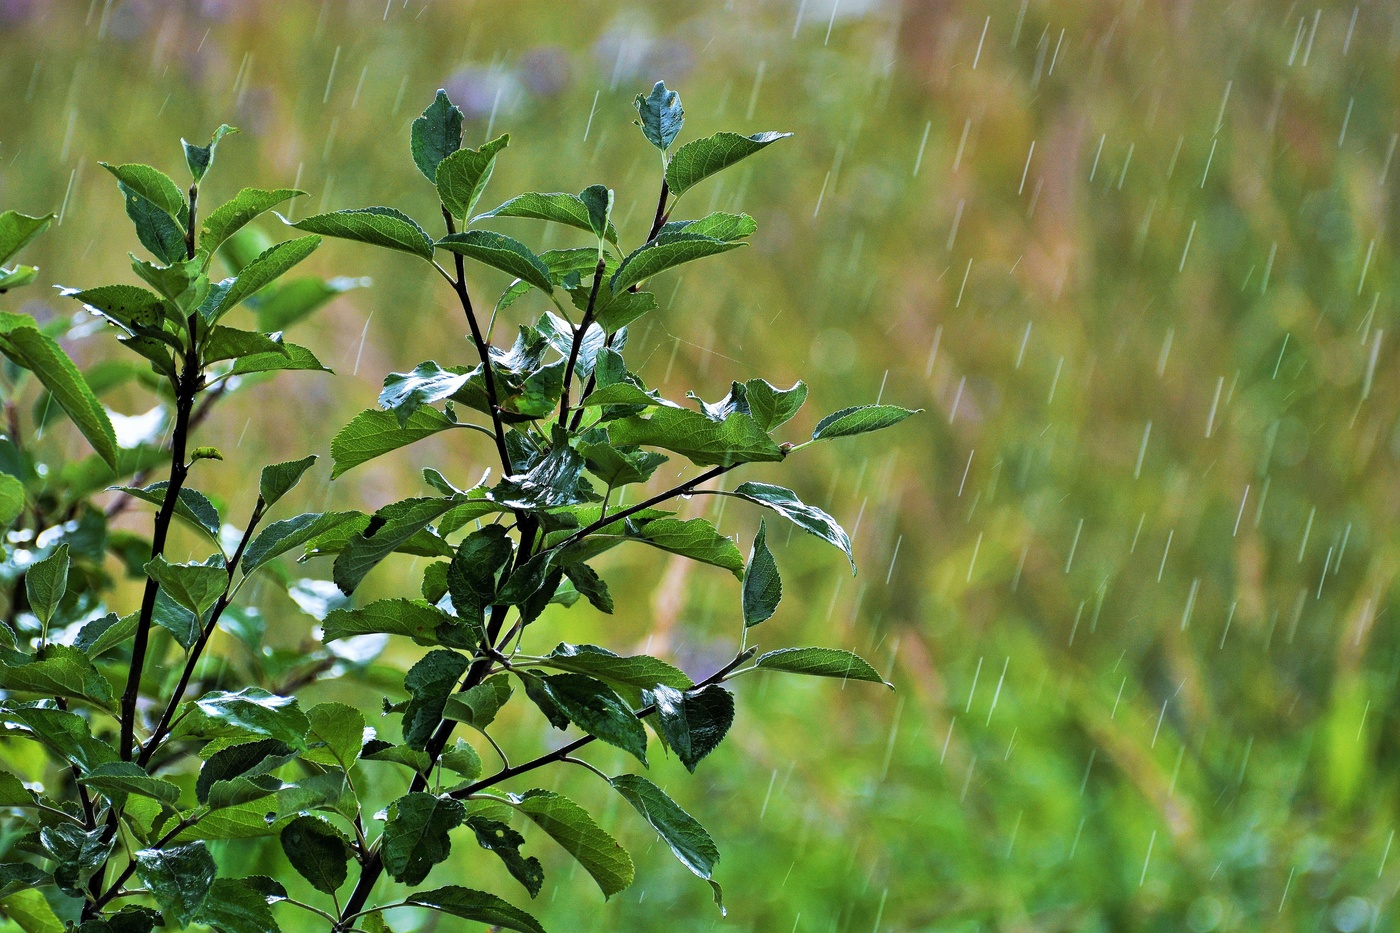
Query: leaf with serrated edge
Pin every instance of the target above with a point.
(821, 662)
(477, 906)
(701, 158)
(571, 826)
(859, 420)
(763, 588)
(377, 226)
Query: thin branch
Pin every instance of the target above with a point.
(186, 390)
(130, 869)
(198, 648)
(579, 333)
(483, 349)
(683, 489)
(657, 223)
(565, 753)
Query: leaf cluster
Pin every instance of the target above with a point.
(138, 783)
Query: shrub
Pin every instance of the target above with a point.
(130, 752)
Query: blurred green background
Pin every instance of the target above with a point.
(1132, 571)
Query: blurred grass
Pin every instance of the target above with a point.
(1133, 258)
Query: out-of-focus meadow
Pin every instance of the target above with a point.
(1132, 572)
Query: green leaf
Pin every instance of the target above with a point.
(318, 851)
(235, 213)
(11, 499)
(501, 252)
(267, 268)
(201, 158)
(106, 632)
(807, 517)
(720, 225)
(667, 251)
(476, 906)
(412, 758)
(701, 158)
(153, 185)
(30, 911)
(13, 793)
(405, 393)
(472, 575)
(185, 283)
(179, 877)
(681, 831)
(693, 722)
(429, 683)
(118, 779)
(736, 439)
(290, 357)
(635, 671)
(696, 539)
(416, 835)
(183, 624)
(77, 855)
(280, 537)
(619, 467)
(859, 420)
(772, 407)
(462, 176)
(821, 662)
(462, 759)
(478, 706)
(598, 710)
(570, 825)
(234, 905)
(22, 342)
(496, 836)
(435, 135)
(17, 876)
(586, 580)
(557, 206)
(763, 587)
(291, 301)
(67, 734)
(378, 226)
(62, 672)
(278, 479)
(391, 528)
(190, 505)
(196, 587)
(17, 276)
(46, 581)
(228, 343)
(373, 433)
(237, 765)
(255, 710)
(598, 199)
(341, 727)
(18, 230)
(661, 115)
(158, 231)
